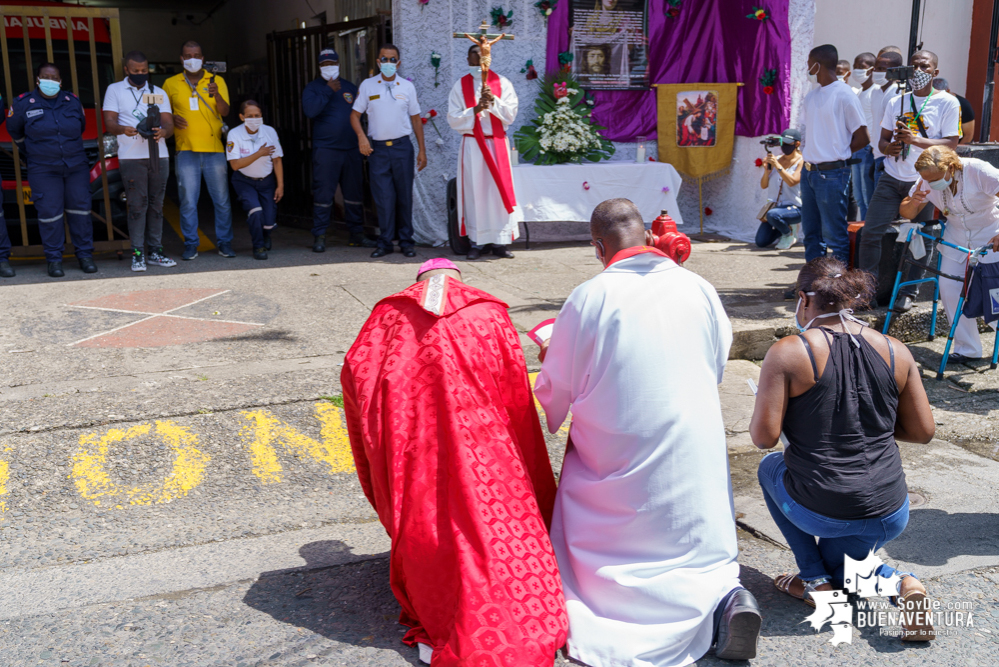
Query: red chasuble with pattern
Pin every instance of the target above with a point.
(450, 452)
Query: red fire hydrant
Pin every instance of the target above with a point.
(674, 243)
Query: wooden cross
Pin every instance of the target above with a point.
(485, 43)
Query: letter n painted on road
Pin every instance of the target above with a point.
(94, 483)
(263, 431)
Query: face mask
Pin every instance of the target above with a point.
(138, 80)
(860, 75)
(841, 77)
(787, 149)
(193, 65)
(330, 72)
(880, 78)
(253, 124)
(920, 80)
(474, 69)
(49, 87)
(813, 76)
(388, 69)
(941, 185)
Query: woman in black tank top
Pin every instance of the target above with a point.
(838, 488)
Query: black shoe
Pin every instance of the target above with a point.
(6, 270)
(408, 252)
(502, 251)
(319, 243)
(87, 265)
(955, 358)
(381, 252)
(473, 254)
(739, 627)
(55, 270)
(267, 240)
(260, 253)
(361, 241)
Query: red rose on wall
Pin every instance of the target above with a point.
(707, 211)
(673, 12)
(768, 90)
(759, 162)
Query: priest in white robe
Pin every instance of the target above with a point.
(487, 208)
(644, 525)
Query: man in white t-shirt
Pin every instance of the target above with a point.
(929, 118)
(125, 113)
(834, 129)
(882, 91)
(862, 172)
(393, 114)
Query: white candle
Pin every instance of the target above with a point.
(640, 157)
(514, 157)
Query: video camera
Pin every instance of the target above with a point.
(214, 67)
(770, 142)
(147, 128)
(902, 74)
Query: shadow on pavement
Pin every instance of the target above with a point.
(350, 603)
(922, 543)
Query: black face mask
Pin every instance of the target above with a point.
(138, 80)
(787, 149)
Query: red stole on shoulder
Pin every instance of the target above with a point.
(635, 250)
(499, 166)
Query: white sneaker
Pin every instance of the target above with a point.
(157, 258)
(786, 241)
(138, 261)
(426, 653)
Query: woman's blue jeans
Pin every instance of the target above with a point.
(836, 538)
(779, 221)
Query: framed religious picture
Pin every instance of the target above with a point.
(610, 44)
(696, 118)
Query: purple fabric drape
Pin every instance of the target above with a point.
(710, 41)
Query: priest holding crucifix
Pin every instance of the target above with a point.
(487, 206)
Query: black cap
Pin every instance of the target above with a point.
(790, 136)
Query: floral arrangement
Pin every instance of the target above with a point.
(565, 59)
(501, 20)
(429, 118)
(529, 69)
(423, 3)
(563, 130)
(435, 62)
(672, 8)
(767, 80)
(546, 7)
(759, 14)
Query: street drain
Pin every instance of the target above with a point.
(916, 499)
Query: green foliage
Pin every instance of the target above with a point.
(335, 400)
(528, 138)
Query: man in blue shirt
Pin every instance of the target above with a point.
(47, 125)
(335, 159)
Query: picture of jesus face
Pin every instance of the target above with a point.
(596, 61)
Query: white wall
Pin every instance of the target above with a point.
(153, 33)
(946, 30)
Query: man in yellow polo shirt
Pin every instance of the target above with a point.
(199, 106)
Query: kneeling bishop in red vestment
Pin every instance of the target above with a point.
(450, 453)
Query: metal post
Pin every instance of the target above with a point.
(17, 153)
(913, 30)
(71, 47)
(990, 77)
(100, 128)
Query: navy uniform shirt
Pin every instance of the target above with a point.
(330, 112)
(49, 131)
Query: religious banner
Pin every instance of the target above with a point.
(696, 126)
(609, 44)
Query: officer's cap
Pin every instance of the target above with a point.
(328, 54)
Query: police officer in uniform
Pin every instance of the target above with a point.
(393, 114)
(48, 125)
(328, 100)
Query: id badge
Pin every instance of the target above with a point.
(193, 103)
(138, 114)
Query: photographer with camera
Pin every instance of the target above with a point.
(781, 216)
(915, 120)
(136, 111)
(200, 101)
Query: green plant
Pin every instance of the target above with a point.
(335, 400)
(562, 131)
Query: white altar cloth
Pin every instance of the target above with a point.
(557, 192)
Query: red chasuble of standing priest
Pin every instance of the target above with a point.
(450, 453)
(487, 204)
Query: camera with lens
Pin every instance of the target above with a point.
(903, 73)
(770, 142)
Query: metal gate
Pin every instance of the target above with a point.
(293, 61)
(100, 59)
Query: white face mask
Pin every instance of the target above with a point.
(880, 78)
(193, 65)
(474, 69)
(813, 76)
(330, 72)
(841, 77)
(860, 75)
(253, 124)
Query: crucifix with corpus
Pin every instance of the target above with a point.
(485, 43)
